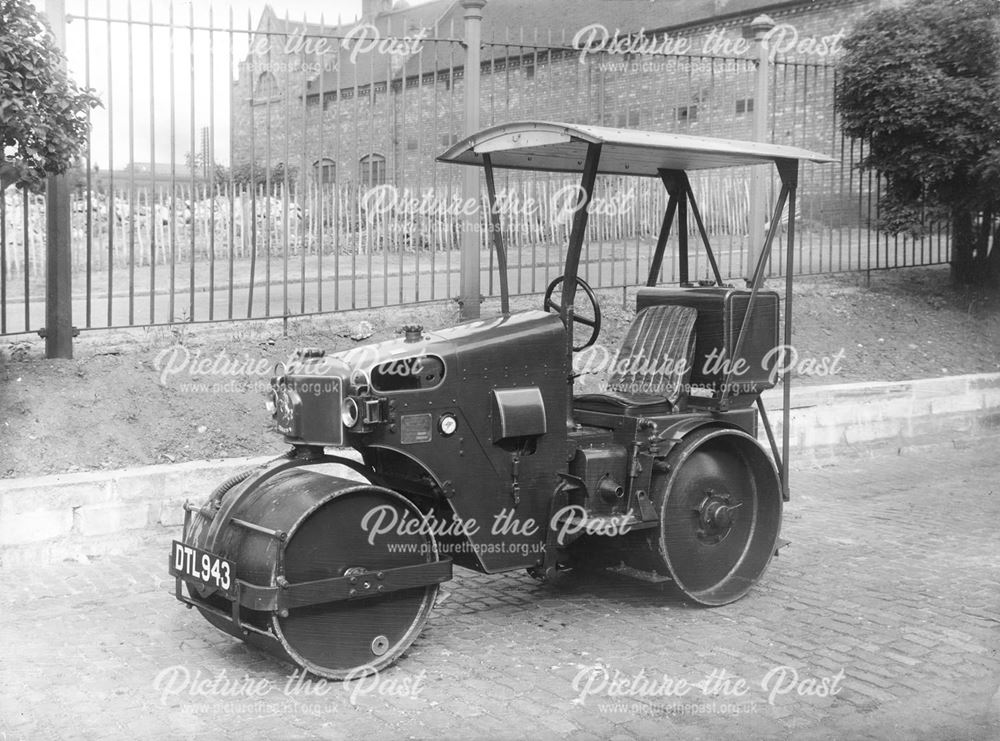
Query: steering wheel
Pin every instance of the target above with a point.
(593, 322)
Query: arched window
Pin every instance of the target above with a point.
(372, 170)
(267, 86)
(325, 171)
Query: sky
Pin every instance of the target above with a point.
(90, 63)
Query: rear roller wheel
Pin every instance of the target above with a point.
(720, 515)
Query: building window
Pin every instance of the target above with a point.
(629, 118)
(529, 72)
(411, 143)
(744, 105)
(372, 170)
(267, 86)
(448, 139)
(325, 171)
(686, 114)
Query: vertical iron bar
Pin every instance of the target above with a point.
(286, 132)
(434, 172)
(232, 169)
(400, 171)
(131, 170)
(302, 187)
(861, 210)
(493, 85)
(532, 87)
(805, 136)
(301, 200)
(268, 168)
(90, 202)
(173, 178)
(878, 219)
(151, 201)
(193, 202)
(336, 186)
(839, 177)
(27, 258)
(389, 157)
(320, 189)
(210, 154)
(112, 210)
(355, 119)
(422, 218)
(372, 181)
(451, 128)
(251, 187)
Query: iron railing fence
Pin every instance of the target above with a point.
(238, 170)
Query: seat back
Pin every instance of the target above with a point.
(657, 354)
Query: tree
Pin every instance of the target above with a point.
(258, 174)
(196, 166)
(920, 83)
(43, 114)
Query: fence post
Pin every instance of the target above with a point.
(759, 174)
(58, 331)
(469, 271)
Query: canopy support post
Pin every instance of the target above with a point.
(497, 236)
(758, 280)
(789, 172)
(669, 178)
(576, 235)
(701, 230)
(682, 235)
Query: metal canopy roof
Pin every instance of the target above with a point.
(562, 147)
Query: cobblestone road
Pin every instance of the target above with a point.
(888, 597)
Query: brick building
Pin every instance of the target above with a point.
(375, 100)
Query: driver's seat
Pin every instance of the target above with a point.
(652, 367)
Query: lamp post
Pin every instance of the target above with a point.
(58, 331)
(471, 228)
(759, 28)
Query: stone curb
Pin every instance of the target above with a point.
(59, 515)
(97, 512)
(831, 422)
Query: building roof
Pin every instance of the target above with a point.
(506, 25)
(562, 147)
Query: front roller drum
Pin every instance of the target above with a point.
(316, 587)
(720, 515)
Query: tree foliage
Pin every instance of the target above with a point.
(920, 83)
(258, 175)
(43, 114)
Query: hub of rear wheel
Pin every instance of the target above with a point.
(716, 515)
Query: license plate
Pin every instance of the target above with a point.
(207, 569)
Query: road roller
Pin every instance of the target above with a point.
(467, 446)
